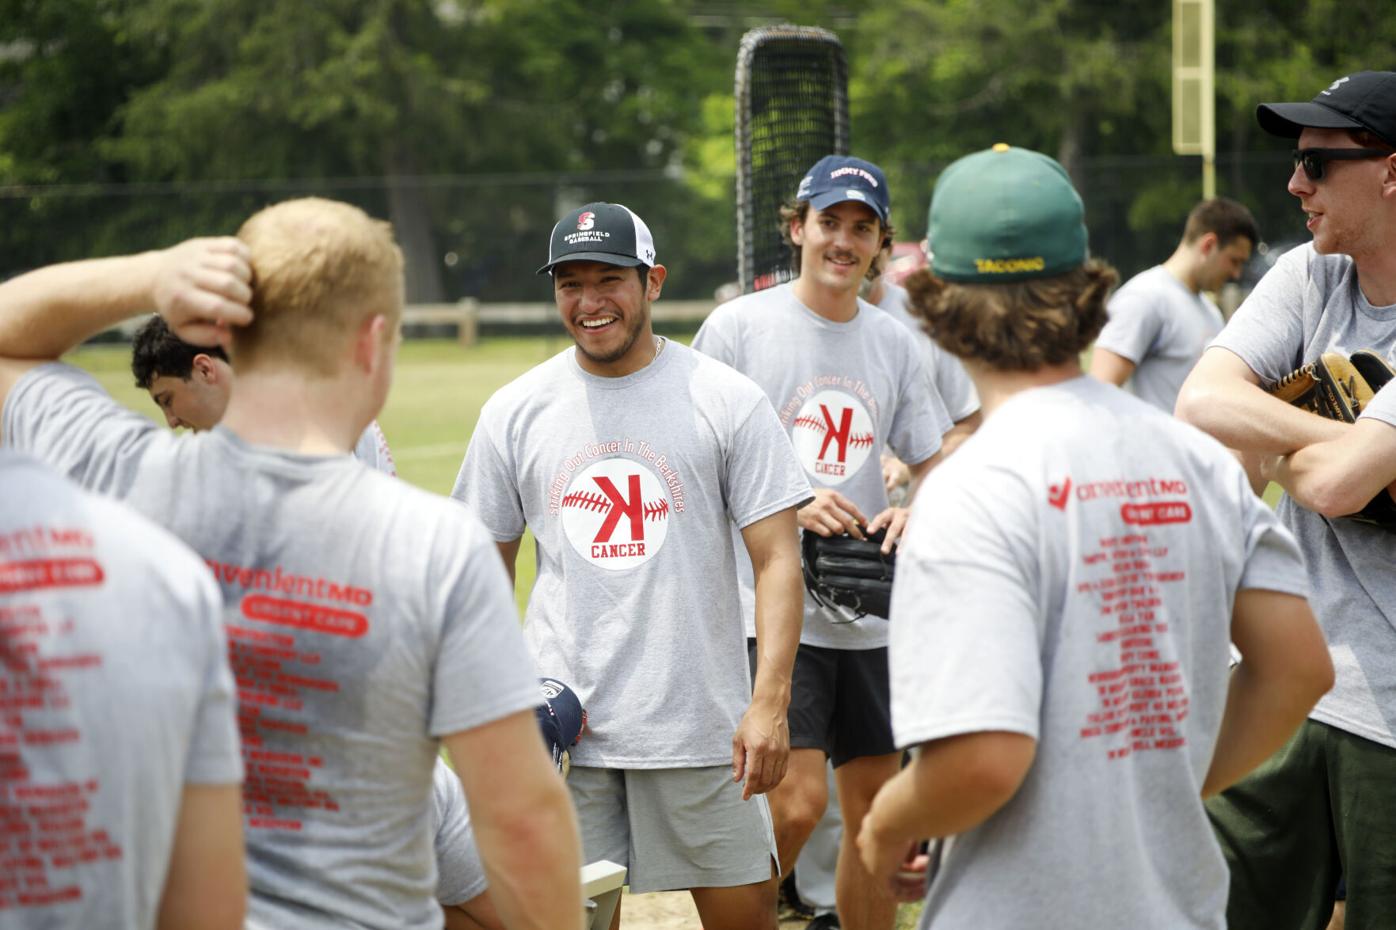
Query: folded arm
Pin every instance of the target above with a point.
(1223, 397)
(1339, 476)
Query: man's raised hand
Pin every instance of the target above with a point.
(203, 287)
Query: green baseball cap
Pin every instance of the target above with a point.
(1005, 214)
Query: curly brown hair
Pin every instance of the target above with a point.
(1021, 326)
(799, 209)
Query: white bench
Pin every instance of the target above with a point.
(601, 884)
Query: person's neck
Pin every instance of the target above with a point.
(1182, 264)
(1376, 275)
(286, 410)
(645, 350)
(996, 386)
(835, 306)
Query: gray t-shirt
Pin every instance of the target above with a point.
(646, 629)
(116, 694)
(365, 620)
(1080, 592)
(460, 875)
(1306, 305)
(1162, 327)
(843, 391)
(372, 450)
(954, 386)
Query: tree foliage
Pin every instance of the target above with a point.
(471, 123)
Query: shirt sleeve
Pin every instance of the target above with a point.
(1136, 319)
(488, 485)
(762, 476)
(483, 671)
(61, 415)
(1267, 331)
(215, 752)
(460, 875)
(372, 449)
(712, 339)
(1273, 561)
(920, 419)
(964, 647)
(1383, 405)
(952, 381)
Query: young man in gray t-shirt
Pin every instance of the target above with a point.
(368, 622)
(119, 764)
(1065, 594)
(1162, 319)
(632, 458)
(191, 386)
(1326, 805)
(847, 381)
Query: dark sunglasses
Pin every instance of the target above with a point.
(1313, 160)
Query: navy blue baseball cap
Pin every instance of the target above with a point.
(560, 717)
(840, 178)
(601, 232)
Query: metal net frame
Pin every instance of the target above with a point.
(792, 110)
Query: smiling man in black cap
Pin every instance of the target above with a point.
(630, 458)
(1324, 805)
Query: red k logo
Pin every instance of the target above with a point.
(837, 433)
(833, 435)
(631, 506)
(615, 513)
(1058, 494)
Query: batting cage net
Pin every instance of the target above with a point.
(792, 110)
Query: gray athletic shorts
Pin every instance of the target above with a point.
(674, 828)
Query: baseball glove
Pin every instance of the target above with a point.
(1339, 389)
(841, 571)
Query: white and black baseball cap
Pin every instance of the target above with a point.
(600, 232)
(1363, 100)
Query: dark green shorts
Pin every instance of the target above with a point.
(1320, 809)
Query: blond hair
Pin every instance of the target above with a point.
(320, 269)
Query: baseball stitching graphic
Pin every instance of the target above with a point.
(833, 436)
(615, 513)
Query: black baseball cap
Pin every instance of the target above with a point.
(839, 178)
(600, 232)
(1365, 100)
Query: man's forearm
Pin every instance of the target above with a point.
(952, 785)
(780, 607)
(534, 863)
(1262, 712)
(1246, 418)
(46, 312)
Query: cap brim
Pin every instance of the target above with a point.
(827, 199)
(606, 258)
(1288, 120)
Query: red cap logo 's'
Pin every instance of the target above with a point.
(586, 220)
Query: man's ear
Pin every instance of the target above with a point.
(368, 341)
(797, 230)
(206, 368)
(655, 282)
(1388, 181)
(1207, 244)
